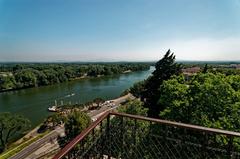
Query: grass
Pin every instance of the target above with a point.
(17, 148)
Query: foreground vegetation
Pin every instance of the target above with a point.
(75, 123)
(17, 76)
(209, 98)
(11, 127)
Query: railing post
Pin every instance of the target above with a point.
(102, 140)
(230, 147)
(122, 136)
(108, 136)
(133, 145)
(165, 141)
(134, 132)
(93, 134)
(204, 145)
(183, 139)
(94, 153)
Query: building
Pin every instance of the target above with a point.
(237, 66)
(189, 72)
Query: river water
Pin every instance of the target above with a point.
(32, 103)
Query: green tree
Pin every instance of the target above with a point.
(98, 100)
(134, 107)
(63, 74)
(205, 69)
(137, 89)
(10, 126)
(208, 100)
(41, 78)
(18, 67)
(164, 69)
(76, 122)
(52, 76)
(55, 120)
(7, 82)
(26, 78)
(69, 72)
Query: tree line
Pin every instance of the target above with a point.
(17, 76)
(210, 98)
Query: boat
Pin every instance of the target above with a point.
(70, 95)
(52, 109)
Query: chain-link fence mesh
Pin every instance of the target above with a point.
(134, 138)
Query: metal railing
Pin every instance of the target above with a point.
(119, 135)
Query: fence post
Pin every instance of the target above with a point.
(108, 136)
(230, 147)
(133, 145)
(122, 136)
(204, 145)
(165, 141)
(134, 132)
(94, 153)
(182, 143)
(102, 139)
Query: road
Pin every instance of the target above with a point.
(39, 143)
(55, 133)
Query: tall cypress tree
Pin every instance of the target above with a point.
(164, 69)
(205, 69)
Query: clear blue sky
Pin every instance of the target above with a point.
(116, 30)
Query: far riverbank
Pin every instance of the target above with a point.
(48, 135)
(71, 79)
(32, 103)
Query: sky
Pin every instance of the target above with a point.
(118, 30)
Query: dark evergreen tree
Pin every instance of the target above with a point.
(164, 69)
(205, 69)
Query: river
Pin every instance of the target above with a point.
(32, 103)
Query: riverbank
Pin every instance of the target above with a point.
(46, 140)
(32, 103)
(70, 79)
(32, 133)
(21, 76)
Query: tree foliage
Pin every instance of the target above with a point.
(7, 82)
(134, 107)
(208, 100)
(55, 119)
(10, 126)
(76, 122)
(205, 69)
(34, 75)
(136, 90)
(164, 69)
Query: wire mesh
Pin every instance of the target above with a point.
(132, 138)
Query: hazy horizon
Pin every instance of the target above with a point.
(113, 31)
(152, 61)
